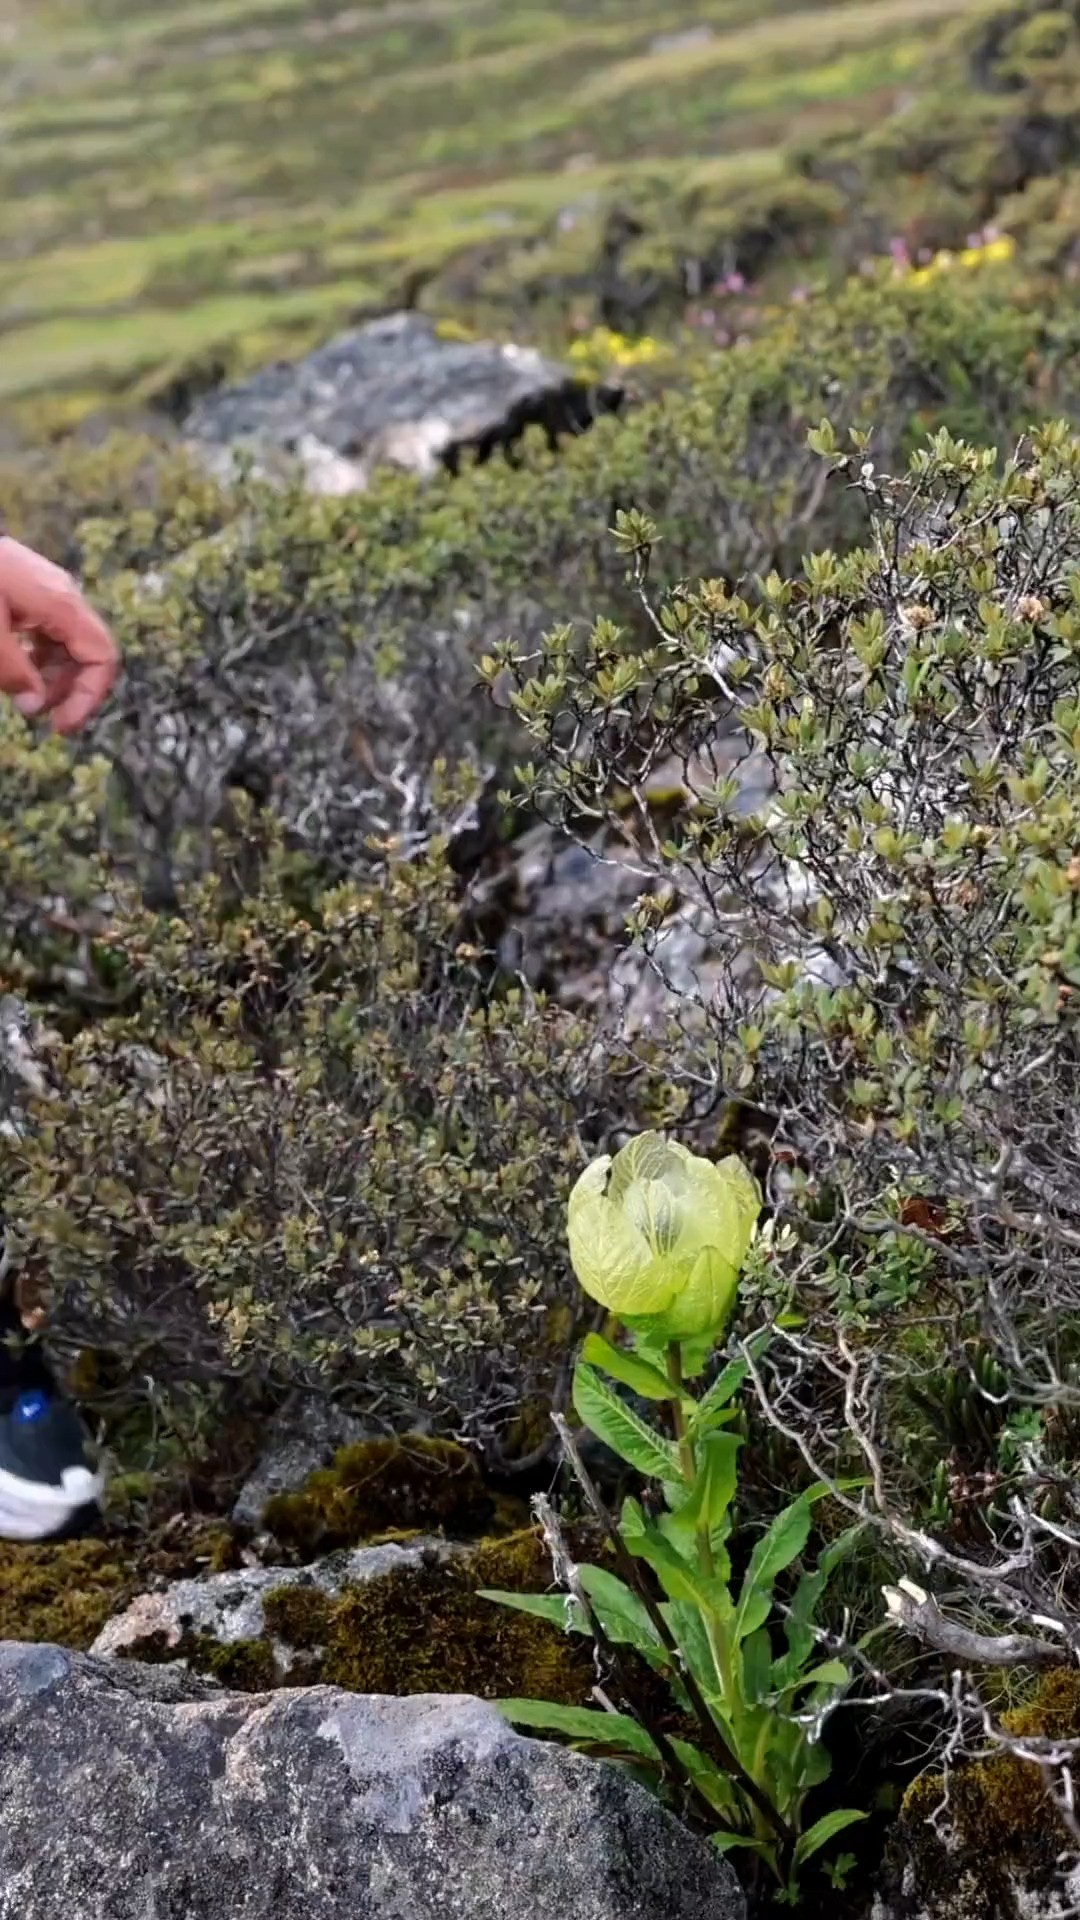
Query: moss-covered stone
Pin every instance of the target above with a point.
(247, 1666)
(62, 1594)
(419, 1631)
(65, 1593)
(379, 1487)
(1001, 1828)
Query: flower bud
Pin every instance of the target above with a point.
(658, 1235)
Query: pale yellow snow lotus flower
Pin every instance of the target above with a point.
(659, 1235)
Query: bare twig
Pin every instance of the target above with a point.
(919, 1614)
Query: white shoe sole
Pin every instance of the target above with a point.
(30, 1510)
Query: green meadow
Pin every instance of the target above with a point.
(232, 175)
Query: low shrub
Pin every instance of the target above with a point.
(892, 939)
(286, 647)
(313, 1148)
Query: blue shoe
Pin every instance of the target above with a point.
(48, 1490)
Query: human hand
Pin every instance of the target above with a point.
(56, 656)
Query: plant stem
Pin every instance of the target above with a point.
(682, 1441)
(712, 1739)
(566, 1573)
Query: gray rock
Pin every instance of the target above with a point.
(687, 40)
(393, 391)
(230, 1607)
(304, 1437)
(121, 1799)
(22, 1076)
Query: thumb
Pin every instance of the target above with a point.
(19, 678)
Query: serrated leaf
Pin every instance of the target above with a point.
(600, 1409)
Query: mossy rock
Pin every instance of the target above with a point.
(423, 1630)
(64, 1594)
(380, 1487)
(1000, 1831)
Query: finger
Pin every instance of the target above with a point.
(76, 685)
(59, 672)
(44, 599)
(19, 677)
(91, 688)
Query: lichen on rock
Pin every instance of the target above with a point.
(987, 1843)
(138, 1790)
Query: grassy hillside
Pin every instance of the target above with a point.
(174, 178)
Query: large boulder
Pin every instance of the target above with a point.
(393, 391)
(131, 1793)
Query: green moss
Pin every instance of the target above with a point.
(1052, 1713)
(420, 1631)
(1000, 1810)
(61, 1594)
(301, 1616)
(428, 1632)
(64, 1594)
(413, 1484)
(247, 1666)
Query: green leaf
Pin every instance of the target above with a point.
(782, 1543)
(678, 1577)
(599, 1408)
(584, 1724)
(707, 1506)
(696, 1352)
(710, 1410)
(715, 1408)
(829, 1674)
(708, 1779)
(822, 439)
(619, 1611)
(559, 1608)
(823, 1831)
(799, 1625)
(633, 1371)
(726, 1842)
(757, 1665)
(686, 1623)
